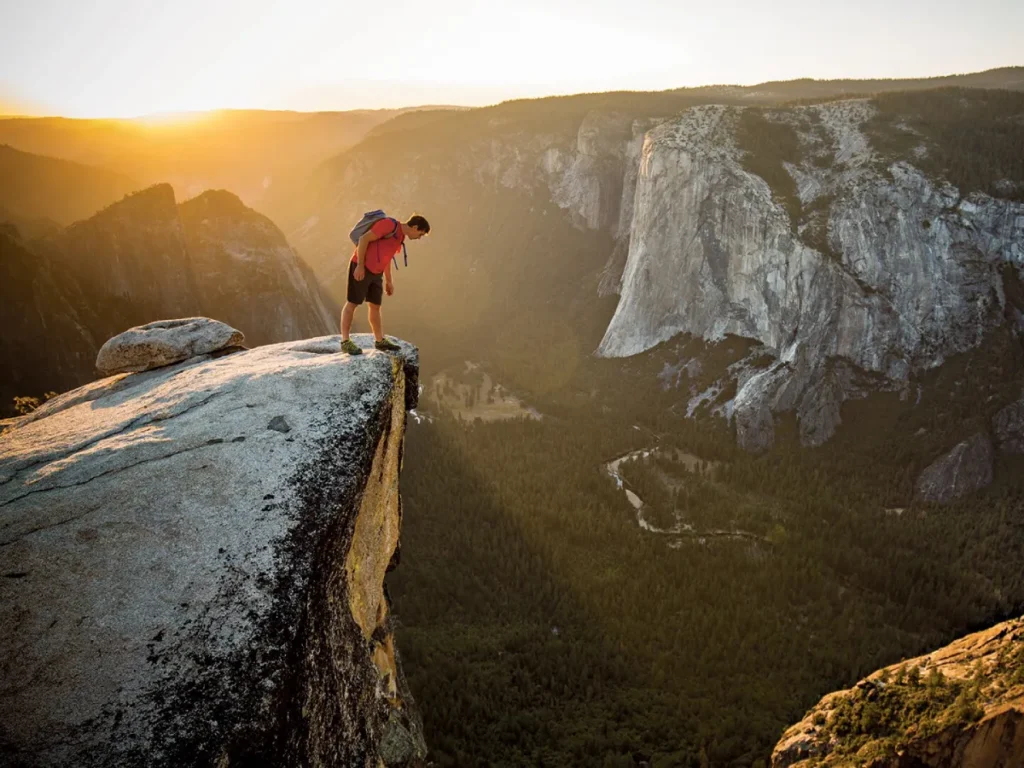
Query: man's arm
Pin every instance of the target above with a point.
(364, 242)
(389, 287)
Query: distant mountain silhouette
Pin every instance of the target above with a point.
(40, 187)
(246, 151)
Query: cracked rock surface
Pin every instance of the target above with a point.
(193, 561)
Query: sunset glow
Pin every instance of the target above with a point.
(137, 58)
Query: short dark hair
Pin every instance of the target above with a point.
(419, 222)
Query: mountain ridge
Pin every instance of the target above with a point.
(145, 258)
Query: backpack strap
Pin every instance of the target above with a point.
(404, 252)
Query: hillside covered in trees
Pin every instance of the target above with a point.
(541, 625)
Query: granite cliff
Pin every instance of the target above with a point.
(848, 241)
(884, 272)
(194, 562)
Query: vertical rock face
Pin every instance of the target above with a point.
(193, 565)
(901, 273)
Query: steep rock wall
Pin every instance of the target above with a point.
(908, 271)
(194, 560)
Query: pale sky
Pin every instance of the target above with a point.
(120, 58)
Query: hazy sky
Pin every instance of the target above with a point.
(132, 57)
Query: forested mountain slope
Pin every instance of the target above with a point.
(143, 259)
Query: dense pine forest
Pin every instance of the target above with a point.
(541, 626)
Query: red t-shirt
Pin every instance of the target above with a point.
(381, 251)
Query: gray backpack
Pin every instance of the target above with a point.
(369, 219)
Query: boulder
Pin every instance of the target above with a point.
(965, 469)
(194, 562)
(164, 342)
(1008, 427)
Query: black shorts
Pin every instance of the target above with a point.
(370, 288)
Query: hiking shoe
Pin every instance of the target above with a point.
(349, 347)
(386, 345)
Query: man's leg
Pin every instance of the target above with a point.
(347, 312)
(375, 321)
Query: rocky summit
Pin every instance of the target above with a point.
(194, 560)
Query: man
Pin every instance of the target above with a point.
(371, 261)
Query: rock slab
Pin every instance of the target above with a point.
(965, 469)
(185, 582)
(164, 342)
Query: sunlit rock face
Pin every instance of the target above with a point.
(194, 559)
(906, 272)
(898, 717)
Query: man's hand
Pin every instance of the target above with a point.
(389, 288)
(359, 273)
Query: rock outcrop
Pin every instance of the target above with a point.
(193, 565)
(959, 707)
(965, 469)
(887, 270)
(164, 342)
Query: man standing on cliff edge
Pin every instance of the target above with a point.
(369, 268)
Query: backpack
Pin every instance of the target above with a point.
(369, 219)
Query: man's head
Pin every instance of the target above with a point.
(416, 227)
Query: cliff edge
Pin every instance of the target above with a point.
(193, 565)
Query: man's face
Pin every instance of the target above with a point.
(414, 233)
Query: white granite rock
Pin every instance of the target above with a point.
(193, 564)
(912, 276)
(164, 342)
